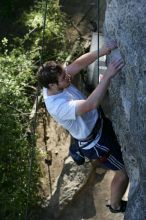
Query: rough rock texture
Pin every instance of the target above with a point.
(125, 21)
(68, 185)
(84, 13)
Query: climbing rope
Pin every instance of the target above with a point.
(98, 18)
(33, 130)
(43, 33)
(48, 159)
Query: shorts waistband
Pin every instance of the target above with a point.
(94, 131)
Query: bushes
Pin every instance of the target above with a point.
(19, 61)
(15, 72)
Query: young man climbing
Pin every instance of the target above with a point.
(81, 117)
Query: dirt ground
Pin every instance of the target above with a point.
(53, 142)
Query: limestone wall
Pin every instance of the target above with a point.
(125, 21)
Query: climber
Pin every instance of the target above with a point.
(82, 118)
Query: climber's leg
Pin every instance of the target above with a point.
(118, 188)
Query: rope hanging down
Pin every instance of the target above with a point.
(33, 130)
(98, 17)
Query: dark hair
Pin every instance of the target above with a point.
(48, 73)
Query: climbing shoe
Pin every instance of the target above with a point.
(121, 209)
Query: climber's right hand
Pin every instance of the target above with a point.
(114, 67)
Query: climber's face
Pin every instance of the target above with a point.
(64, 80)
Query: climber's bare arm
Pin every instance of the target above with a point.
(88, 58)
(83, 61)
(95, 98)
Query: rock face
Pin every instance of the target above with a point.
(71, 180)
(125, 21)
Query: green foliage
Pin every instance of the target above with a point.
(19, 60)
(54, 32)
(15, 72)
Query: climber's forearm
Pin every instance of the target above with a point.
(104, 51)
(81, 63)
(85, 60)
(95, 98)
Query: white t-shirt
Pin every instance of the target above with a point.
(62, 108)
